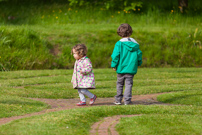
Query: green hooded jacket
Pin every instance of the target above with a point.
(126, 56)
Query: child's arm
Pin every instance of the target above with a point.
(87, 67)
(115, 56)
(139, 57)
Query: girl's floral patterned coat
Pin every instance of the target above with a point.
(86, 79)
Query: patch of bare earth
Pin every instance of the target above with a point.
(97, 128)
(107, 126)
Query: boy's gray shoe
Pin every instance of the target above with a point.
(130, 103)
(117, 103)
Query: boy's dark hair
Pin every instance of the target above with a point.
(124, 30)
(81, 49)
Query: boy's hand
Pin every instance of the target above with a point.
(114, 69)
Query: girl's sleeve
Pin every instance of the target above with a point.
(139, 57)
(87, 66)
(115, 56)
(73, 76)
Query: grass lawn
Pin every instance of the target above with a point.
(40, 36)
(13, 106)
(183, 97)
(57, 83)
(183, 85)
(161, 124)
(79, 121)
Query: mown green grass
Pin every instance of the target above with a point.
(56, 84)
(79, 121)
(13, 106)
(184, 97)
(161, 124)
(184, 85)
(167, 39)
(167, 123)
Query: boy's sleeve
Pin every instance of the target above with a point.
(87, 67)
(115, 56)
(139, 57)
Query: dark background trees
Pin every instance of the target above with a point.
(183, 6)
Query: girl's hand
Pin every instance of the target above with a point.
(114, 69)
(81, 72)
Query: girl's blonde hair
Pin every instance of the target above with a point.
(81, 49)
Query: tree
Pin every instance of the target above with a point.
(182, 5)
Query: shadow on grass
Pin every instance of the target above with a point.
(174, 99)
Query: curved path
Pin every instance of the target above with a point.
(107, 126)
(63, 104)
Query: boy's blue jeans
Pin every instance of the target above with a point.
(126, 79)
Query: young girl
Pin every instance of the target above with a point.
(83, 77)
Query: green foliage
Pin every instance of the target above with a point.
(40, 36)
(108, 4)
(23, 48)
(133, 5)
(170, 48)
(195, 37)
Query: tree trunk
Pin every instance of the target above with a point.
(182, 5)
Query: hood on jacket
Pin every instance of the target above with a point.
(130, 44)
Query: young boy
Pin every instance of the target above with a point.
(126, 58)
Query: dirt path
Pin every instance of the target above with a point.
(64, 104)
(107, 126)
